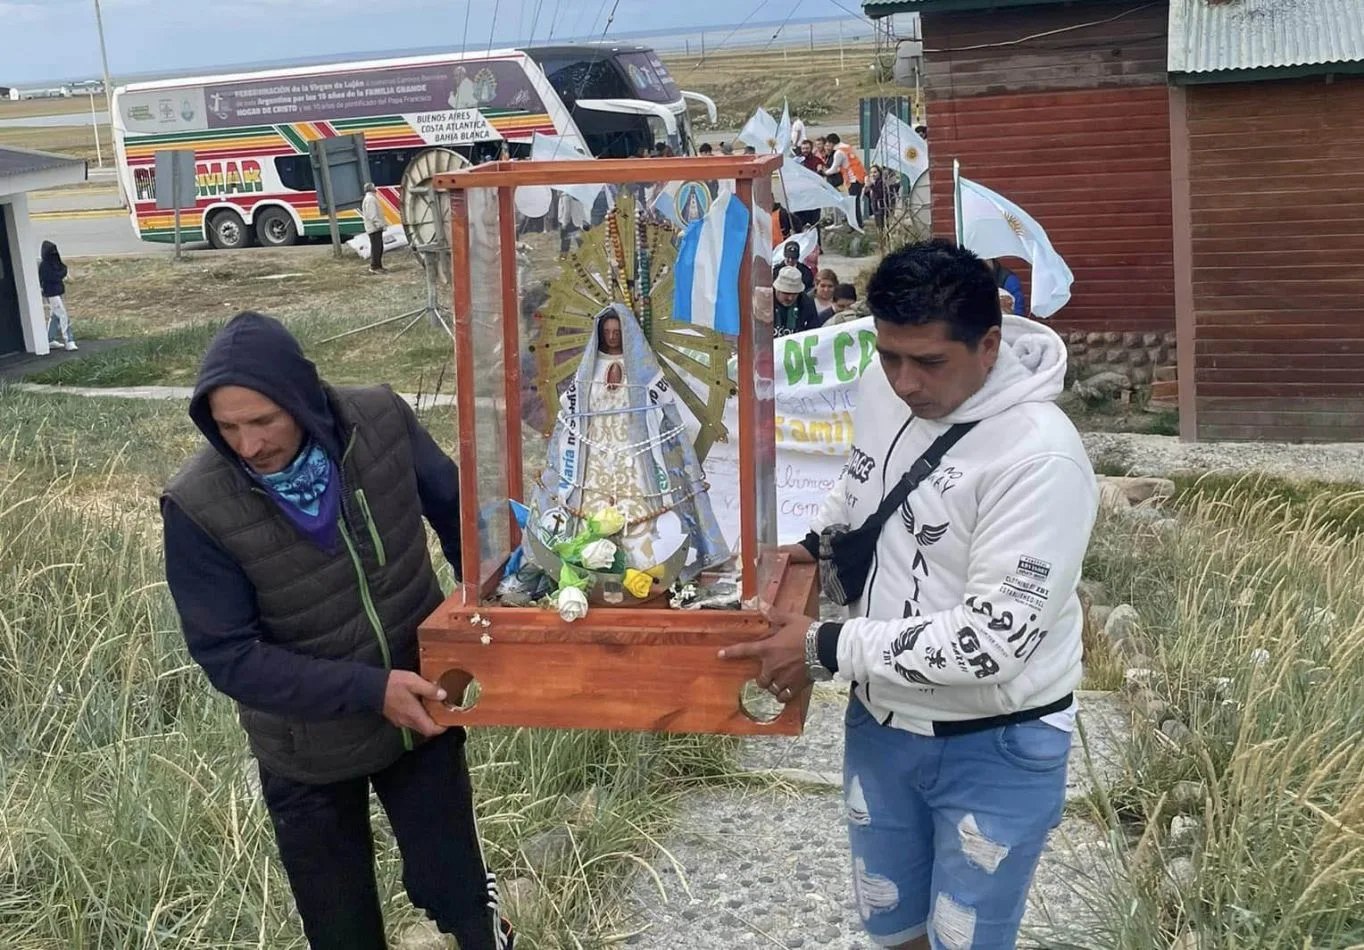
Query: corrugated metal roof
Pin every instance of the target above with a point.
(1212, 35)
(22, 161)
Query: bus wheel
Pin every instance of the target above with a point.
(274, 228)
(227, 231)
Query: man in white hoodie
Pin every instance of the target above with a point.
(964, 645)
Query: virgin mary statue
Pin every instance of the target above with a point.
(620, 442)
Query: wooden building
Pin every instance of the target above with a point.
(1267, 143)
(1197, 164)
(1063, 108)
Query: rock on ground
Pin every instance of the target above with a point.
(768, 865)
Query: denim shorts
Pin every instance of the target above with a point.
(946, 832)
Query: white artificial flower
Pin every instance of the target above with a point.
(572, 604)
(599, 555)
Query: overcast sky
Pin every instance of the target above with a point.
(57, 39)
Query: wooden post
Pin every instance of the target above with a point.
(511, 354)
(331, 205)
(175, 190)
(748, 412)
(471, 561)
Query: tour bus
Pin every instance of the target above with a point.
(250, 131)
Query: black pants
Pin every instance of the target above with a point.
(325, 843)
(376, 250)
(855, 189)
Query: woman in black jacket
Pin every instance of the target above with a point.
(52, 280)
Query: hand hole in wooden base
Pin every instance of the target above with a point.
(759, 705)
(461, 690)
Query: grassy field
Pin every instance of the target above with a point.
(1248, 832)
(127, 814)
(821, 86)
(78, 141)
(32, 107)
(171, 310)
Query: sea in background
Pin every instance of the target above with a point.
(852, 31)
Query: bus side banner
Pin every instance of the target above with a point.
(495, 84)
(816, 379)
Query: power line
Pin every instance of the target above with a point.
(754, 12)
(789, 15)
(1038, 36)
(535, 21)
(611, 19)
(492, 30)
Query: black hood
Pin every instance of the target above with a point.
(50, 252)
(256, 352)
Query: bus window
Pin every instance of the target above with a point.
(650, 77)
(386, 167)
(584, 78)
(295, 172)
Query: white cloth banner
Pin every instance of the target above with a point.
(900, 148)
(395, 238)
(817, 374)
(557, 148)
(993, 226)
(804, 190)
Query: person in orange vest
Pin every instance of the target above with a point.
(847, 164)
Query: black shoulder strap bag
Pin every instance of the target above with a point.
(845, 553)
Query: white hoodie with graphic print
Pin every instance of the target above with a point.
(970, 608)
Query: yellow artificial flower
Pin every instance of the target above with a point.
(608, 521)
(638, 583)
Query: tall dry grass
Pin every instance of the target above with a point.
(128, 815)
(1249, 833)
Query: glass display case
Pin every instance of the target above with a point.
(616, 447)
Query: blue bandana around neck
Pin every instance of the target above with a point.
(307, 494)
(305, 481)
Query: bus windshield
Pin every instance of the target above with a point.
(649, 77)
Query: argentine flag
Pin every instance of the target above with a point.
(706, 279)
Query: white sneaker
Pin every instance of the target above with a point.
(54, 344)
(71, 345)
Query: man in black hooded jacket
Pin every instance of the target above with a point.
(297, 558)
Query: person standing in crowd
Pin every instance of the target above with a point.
(791, 258)
(52, 274)
(847, 161)
(963, 651)
(706, 151)
(1007, 280)
(373, 217)
(572, 219)
(792, 309)
(296, 555)
(826, 282)
(797, 132)
(783, 224)
(845, 299)
(879, 198)
(809, 159)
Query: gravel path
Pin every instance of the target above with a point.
(767, 866)
(1166, 455)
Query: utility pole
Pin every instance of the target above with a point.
(94, 124)
(108, 86)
